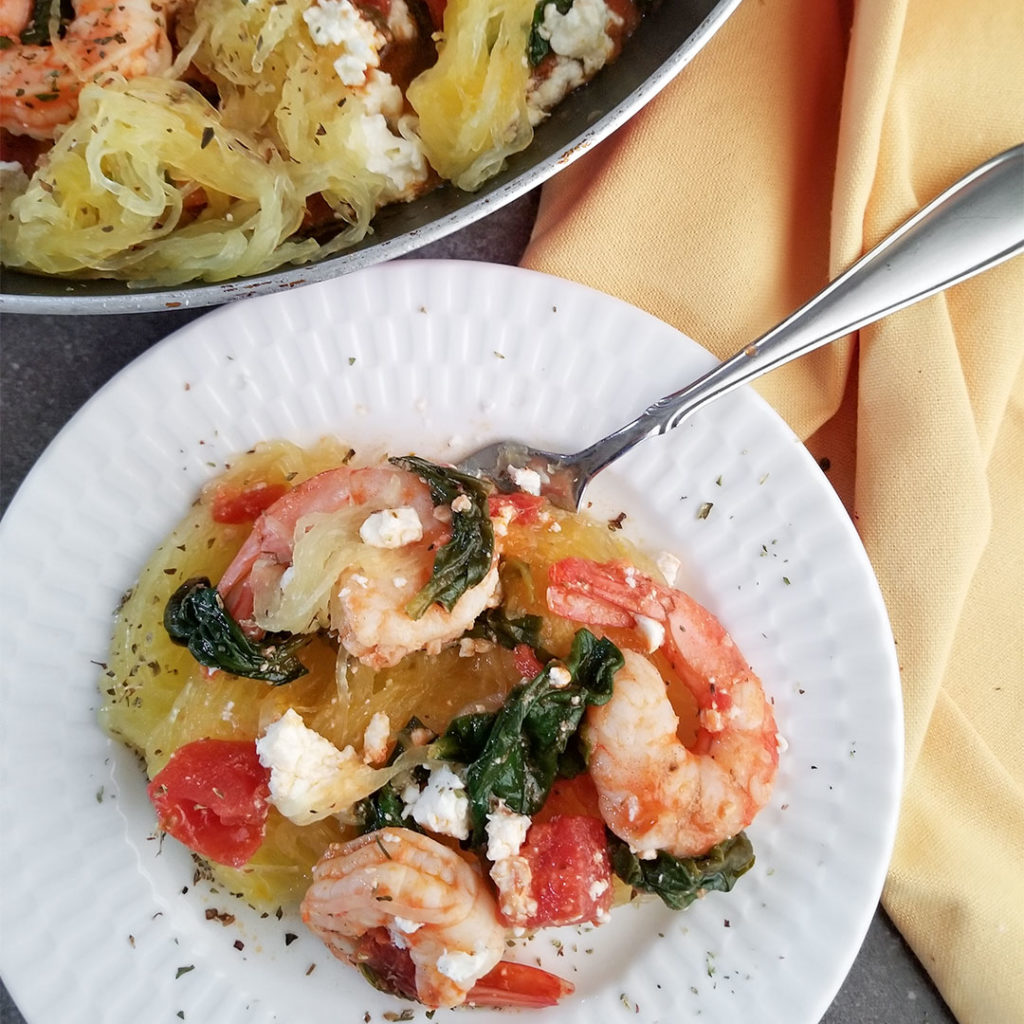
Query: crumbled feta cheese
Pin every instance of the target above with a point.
(462, 503)
(781, 743)
(401, 22)
(465, 968)
(442, 806)
(500, 522)
(304, 768)
(580, 33)
(399, 928)
(339, 23)
(380, 95)
(470, 645)
(527, 480)
(513, 878)
(409, 793)
(391, 528)
(559, 677)
(375, 738)
(712, 719)
(405, 926)
(386, 139)
(398, 158)
(545, 93)
(421, 736)
(510, 872)
(506, 832)
(652, 631)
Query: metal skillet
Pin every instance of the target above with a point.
(668, 38)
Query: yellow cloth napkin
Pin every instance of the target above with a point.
(802, 134)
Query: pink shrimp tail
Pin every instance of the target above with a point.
(616, 593)
(234, 587)
(604, 593)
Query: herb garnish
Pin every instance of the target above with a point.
(195, 618)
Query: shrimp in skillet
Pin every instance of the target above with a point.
(39, 85)
(422, 920)
(347, 550)
(654, 793)
(14, 18)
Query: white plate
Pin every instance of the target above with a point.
(435, 358)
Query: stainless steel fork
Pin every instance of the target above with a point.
(974, 225)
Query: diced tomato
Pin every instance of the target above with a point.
(571, 871)
(511, 984)
(526, 663)
(231, 505)
(212, 796)
(577, 795)
(517, 505)
(436, 9)
(389, 968)
(382, 6)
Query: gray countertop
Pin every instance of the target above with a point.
(50, 365)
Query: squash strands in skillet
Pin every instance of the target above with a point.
(278, 128)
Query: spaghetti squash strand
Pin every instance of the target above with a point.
(147, 183)
(472, 103)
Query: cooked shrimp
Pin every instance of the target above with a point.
(39, 85)
(358, 574)
(14, 17)
(428, 899)
(654, 793)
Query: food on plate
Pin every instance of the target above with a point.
(690, 799)
(163, 141)
(433, 717)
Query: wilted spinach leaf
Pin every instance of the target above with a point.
(466, 558)
(537, 47)
(37, 32)
(515, 754)
(195, 618)
(681, 880)
(384, 808)
(496, 626)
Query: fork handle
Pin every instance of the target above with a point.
(975, 224)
